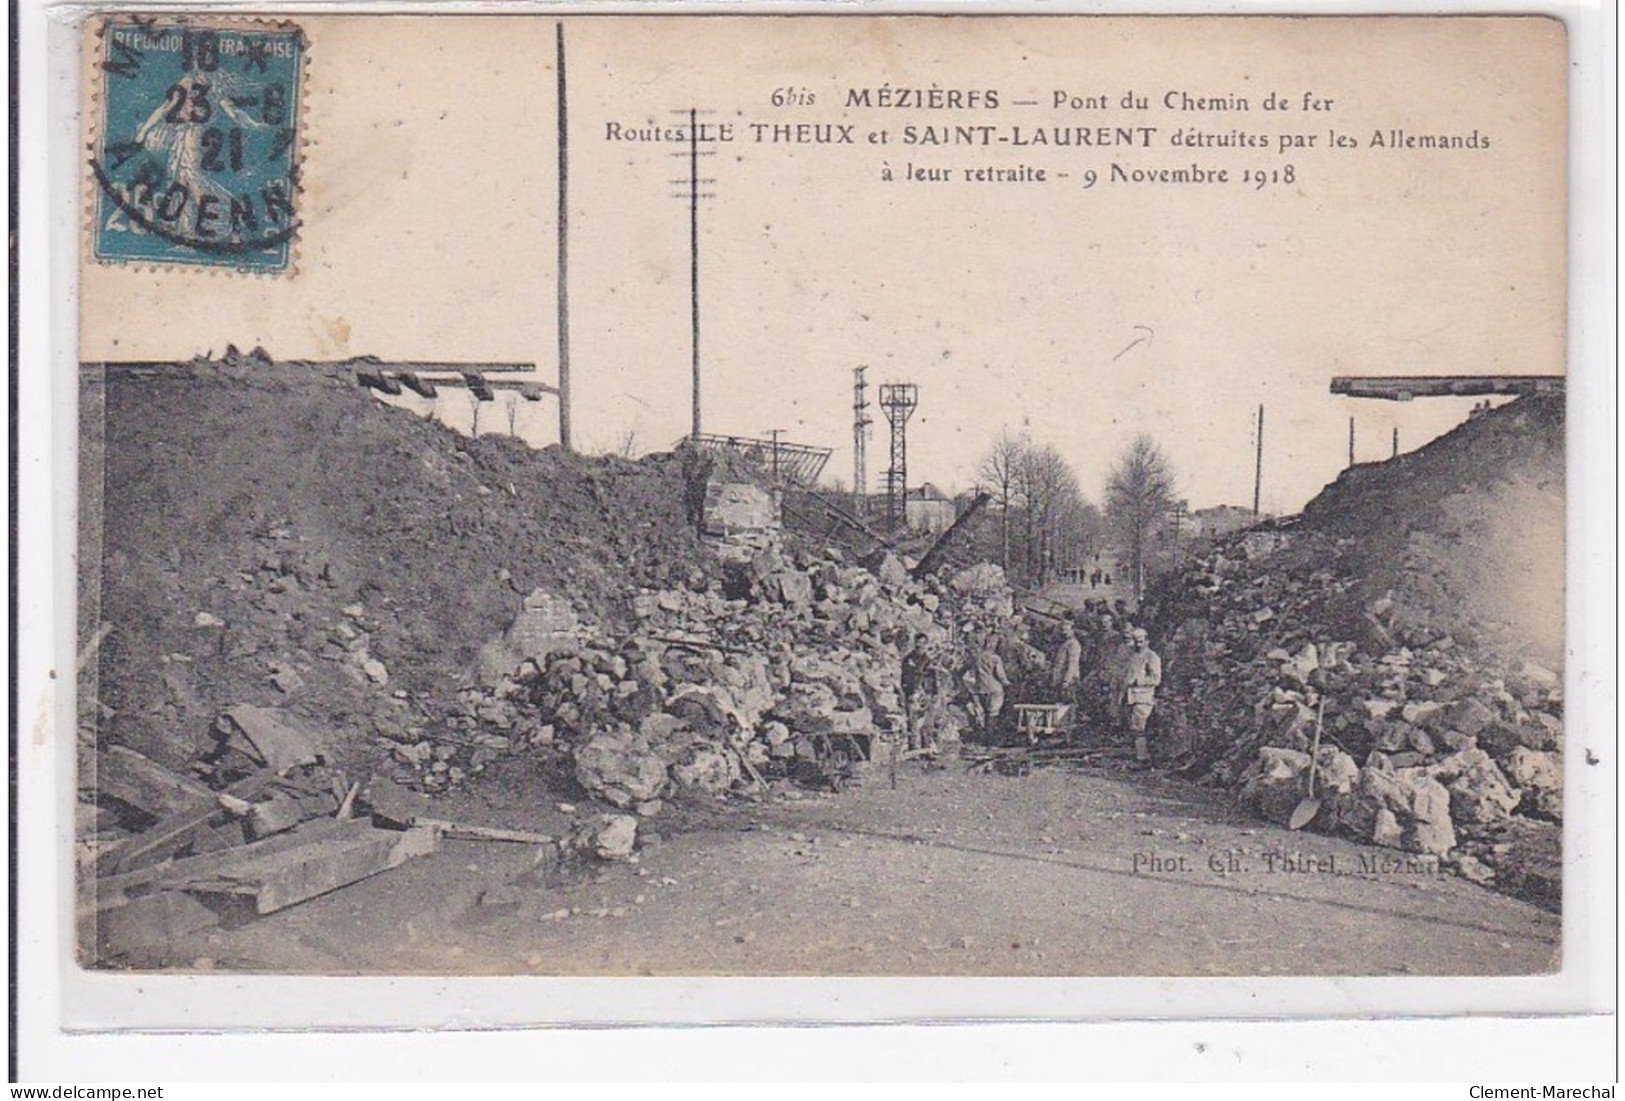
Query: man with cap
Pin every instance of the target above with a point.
(1067, 668)
(1141, 676)
(916, 681)
(987, 680)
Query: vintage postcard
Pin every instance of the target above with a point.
(824, 496)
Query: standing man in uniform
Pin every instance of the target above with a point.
(1067, 668)
(916, 673)
(988, 681)
(1141, 676)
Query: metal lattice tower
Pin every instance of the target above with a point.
(860, 440)
(899, 400)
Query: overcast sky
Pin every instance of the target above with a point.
(1083, 314)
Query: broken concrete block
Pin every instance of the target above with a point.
(1276, 783)
(1470, 716)
(1532, 768)
(546, 624)
(1419, 804)
(610, 837)
(706, 769)
(1385, 829)
(287, 679)
(270, 736)
(621, 771)
(734, 507)
(284, 811)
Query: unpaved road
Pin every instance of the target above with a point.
(954, 873)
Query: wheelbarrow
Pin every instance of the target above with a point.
(1041, 722)
(832, 759)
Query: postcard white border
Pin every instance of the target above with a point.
(65, 1009)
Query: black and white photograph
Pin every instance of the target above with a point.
(1090, 505)
(717, 496)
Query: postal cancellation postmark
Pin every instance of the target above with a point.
(195, 155)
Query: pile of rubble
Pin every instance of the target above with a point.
(786, 666)
(1429, 741)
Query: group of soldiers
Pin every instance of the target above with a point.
(1107, 673)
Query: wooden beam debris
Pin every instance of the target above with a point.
(172, 834)
(331, 853)
(460, 831)
(419, 386)
(142, 783)
(313, 858)
(425, 380)
(377, 380)
(1404, 388)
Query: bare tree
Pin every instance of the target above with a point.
(1139, 497)
(1051, 491)
(1000, 471)
(1079, 531)
(513, 412)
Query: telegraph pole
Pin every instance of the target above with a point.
(692, 191)
(1351, 441)
(1395, 455)
(694, 257)
(564, 253)
(1258, 463)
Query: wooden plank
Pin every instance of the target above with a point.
(136, 779)
(152, 922)
(459, 831)
(170, 834)
(377, 380)
(316, 857)
(394, 803)
(419, 386)
(354, 852)
(107, 891)
(285, 810)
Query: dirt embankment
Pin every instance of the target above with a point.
(1413, 616)
(1464, 534)
(273, 535)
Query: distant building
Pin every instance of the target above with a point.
(1211, 523)
(927, 508)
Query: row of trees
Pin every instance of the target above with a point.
(1047, 525)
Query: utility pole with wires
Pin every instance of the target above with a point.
(860, 441)
(564, 252)
(692, 192)
(1258, 463)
